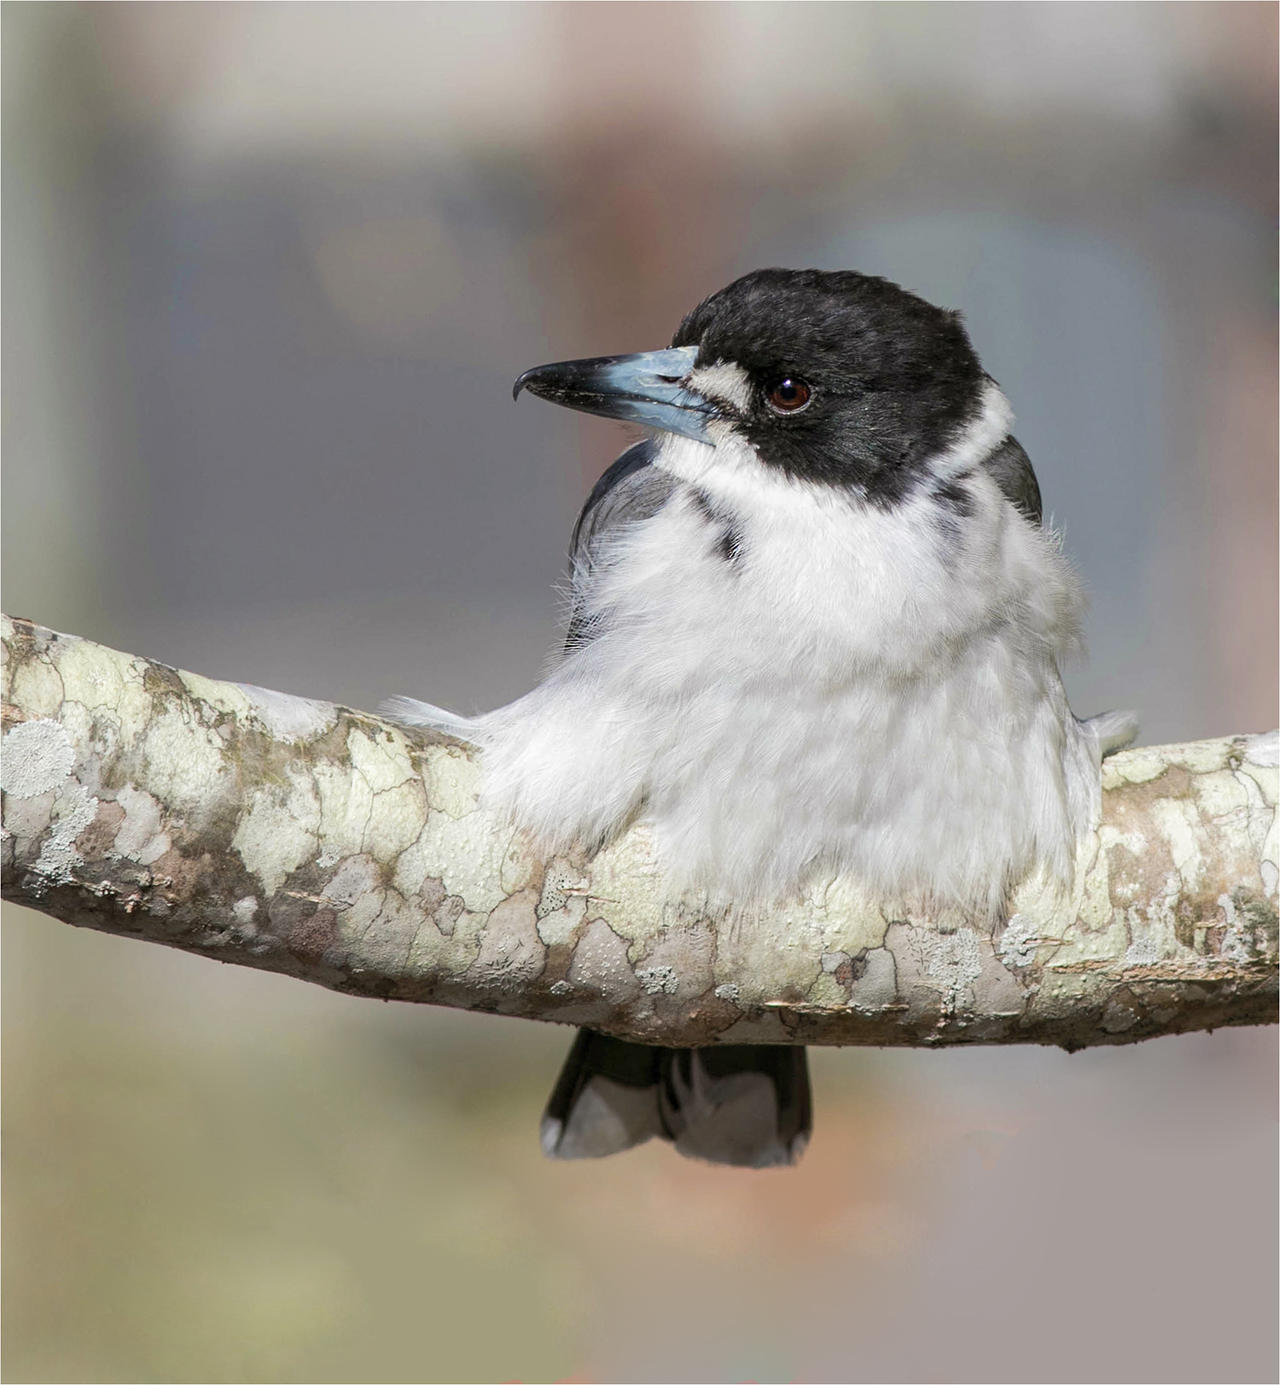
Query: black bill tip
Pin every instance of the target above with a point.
(523, 382)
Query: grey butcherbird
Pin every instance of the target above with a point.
(816, 627)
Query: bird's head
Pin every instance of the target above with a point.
(837, 378)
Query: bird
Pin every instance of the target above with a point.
(816, 623)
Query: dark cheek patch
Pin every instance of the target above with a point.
(728, 540)
(954, 504)
(729, 544)
(954, 498)
(878, 450)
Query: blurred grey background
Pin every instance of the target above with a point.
(271, 270)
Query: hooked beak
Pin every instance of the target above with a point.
(647, 388)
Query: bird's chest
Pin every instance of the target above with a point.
(822, 687)
(789, 600)
(807, 687)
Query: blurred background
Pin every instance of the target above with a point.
(271, 270)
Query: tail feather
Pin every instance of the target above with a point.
(746, 1104)
(605, 1101)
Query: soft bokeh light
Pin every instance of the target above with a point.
(271, 270)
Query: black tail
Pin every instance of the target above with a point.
(744, 1104)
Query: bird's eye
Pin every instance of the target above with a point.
(788, 395)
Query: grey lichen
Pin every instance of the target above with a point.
(309, 839)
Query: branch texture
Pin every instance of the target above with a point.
(327, 844)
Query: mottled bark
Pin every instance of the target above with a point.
(327, 844)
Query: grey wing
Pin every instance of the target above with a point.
(1010, 468)
(631, 490)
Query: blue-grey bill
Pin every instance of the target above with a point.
(647, 388)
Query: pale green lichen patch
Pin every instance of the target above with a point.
(625, 887)
(346, 807)
(91, 675)
(225, 699)
(1138, 766)
(37, 756)
(453, 780)
(185, 764)
(1264, 781)
(1082, 948)
(1202, 757)
(110, 689)
(1232, 798)
(414, 866)
(827, 991)
(278, 832)
(851, 918)
(37, 688)
(467, 855)
(73, 813)
(1091, 902)
(658, 980)
(26, 820)
(561, 925)
(437, 955)
(382, 762)
(767, 966)
(396, 820)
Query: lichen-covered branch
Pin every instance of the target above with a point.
(324, 843)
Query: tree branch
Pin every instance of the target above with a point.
(324, 843)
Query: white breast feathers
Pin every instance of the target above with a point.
(793, 683)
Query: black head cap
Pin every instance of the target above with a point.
(889, 380)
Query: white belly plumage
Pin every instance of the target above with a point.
(861, 690)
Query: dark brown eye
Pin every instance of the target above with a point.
(788, 395)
